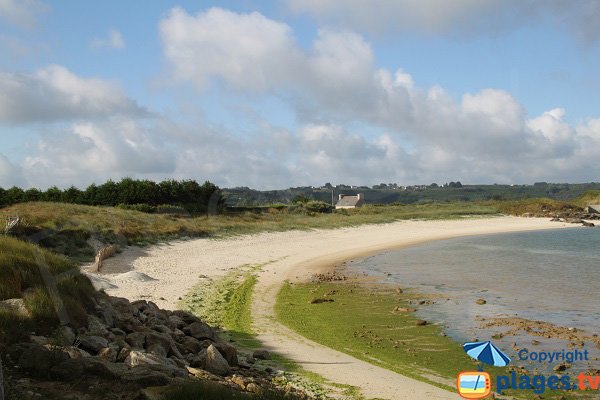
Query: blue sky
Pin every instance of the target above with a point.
(299, 92)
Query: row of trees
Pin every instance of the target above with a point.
(188, 194)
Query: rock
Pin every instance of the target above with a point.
(190, 345)
(16, 306)
(136, 340)
(421, 322)
(160, 339)
(199, 330)
(254, 388)
(186, 316)
(535, 342)
(175, 322)
(41, 340)
(480, 301)
(118, 332)
(109, 354)
(238, 380)
(399, 291)
(137, 358)
(96, 327)
(215, 362)
(145, 377)
(588, 224)
(77, 367)
(229, 353)
(261, 355)
(250, 359)
(319, 301)
(562, 367)
(93, 344)
(404, 309)
(123, 354)
(65, 335)
(37, 360)
(163, 329)
(74, 352)
(157, 350)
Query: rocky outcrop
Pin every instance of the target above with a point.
(135, 345)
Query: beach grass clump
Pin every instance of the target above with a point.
(46, 283)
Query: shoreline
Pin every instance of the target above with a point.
(296, 255)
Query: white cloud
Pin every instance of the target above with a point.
(114, 40)
(247, 51)
(455, 17)
(22, 13)
(55, 93)
(10, 174)
(484, 135)
(85, 152)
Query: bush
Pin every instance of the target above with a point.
(145, 208)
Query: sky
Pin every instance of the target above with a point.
(274, 94)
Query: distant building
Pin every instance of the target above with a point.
(350, 201)
(593, 209)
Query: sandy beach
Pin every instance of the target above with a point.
(176, 267)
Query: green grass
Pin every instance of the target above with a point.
(361, 322)
(28, 271)
(69, 226)
(226, 302)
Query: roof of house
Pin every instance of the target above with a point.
(348, 201)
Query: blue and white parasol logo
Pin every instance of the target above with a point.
(487, 353)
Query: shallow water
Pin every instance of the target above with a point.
(551, 276)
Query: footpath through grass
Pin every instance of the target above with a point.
(360, 320)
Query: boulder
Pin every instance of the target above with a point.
(157, 350)
(109, 354)
(190, 345)
(480, 302)
(96, 327)
(66, 335)
(37, 360)
(93, 344)
(175, 322)
(228, 352)
(137, 340)
(146, 377)
(74, 352)
(16, 306)
(261, 355)
(137, 358)
(199, 330)
(186, 316)
(155, 338)
(94, 367)
(215, 362)
(421, 322)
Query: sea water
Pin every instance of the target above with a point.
(551, 275)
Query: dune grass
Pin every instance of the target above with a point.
(66, 228)
(48, 283)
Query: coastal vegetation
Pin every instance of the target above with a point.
(376, 323)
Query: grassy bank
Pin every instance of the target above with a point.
(361, 321)
(45, 284)
(66, 228)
